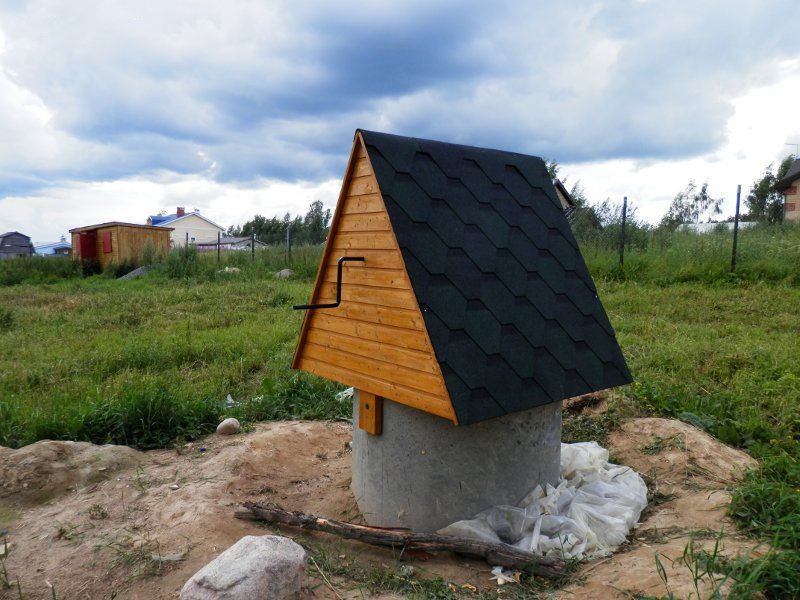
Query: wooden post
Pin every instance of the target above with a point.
(219, 241)
(370, 412)
(736, 227)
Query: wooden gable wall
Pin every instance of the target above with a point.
(376, 339)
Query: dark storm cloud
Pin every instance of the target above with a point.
(239, 90)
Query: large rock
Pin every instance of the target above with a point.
(229, 426)
(284, 274)
(255, 567)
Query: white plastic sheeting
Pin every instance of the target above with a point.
(589, 513)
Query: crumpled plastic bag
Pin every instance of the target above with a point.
(589, 513)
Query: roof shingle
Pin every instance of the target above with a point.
(508, 302)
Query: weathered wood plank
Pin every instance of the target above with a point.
(364, 222)
(363, 275)
(363, 240)
(368, 204)
(362, 185)
(379, 315)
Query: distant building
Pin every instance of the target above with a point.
(118, 243)
(230, 243)
(790, 186)
(59, 248)
(192, 227)
(14, 244)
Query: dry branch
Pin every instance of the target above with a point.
(495, 554)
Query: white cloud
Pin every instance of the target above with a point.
(112, 109)
(758, 133)
(51, 212)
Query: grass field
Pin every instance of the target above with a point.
(151, 361)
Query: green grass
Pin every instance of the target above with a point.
(149, 361)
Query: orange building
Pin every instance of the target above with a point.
(117, 242)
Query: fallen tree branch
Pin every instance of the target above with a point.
(495, 554)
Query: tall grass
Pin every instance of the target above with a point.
(765, 253)
(38, 269)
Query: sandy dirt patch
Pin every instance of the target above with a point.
(102, 520)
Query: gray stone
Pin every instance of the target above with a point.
(425, 473)
(284, 274)
(229, 426)
(136, 273)
(254, 568)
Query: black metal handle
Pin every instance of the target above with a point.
(339, 265)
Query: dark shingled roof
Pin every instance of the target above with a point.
(511, 309)
(792, 174)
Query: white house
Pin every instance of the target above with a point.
(192, 227)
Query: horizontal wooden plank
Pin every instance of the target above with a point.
(431, 403)
(364, 240)
(362, 185)
(361, 167)
(388, 297)
(410, 378)
(412, 359)
(394, 278)
(413, 338)
(376, 259)
(364, 222)
(371, 313)
(370, 203)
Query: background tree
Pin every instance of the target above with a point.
(764, 202)
(691, 204)
(310, 229)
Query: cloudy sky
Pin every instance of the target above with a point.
(114, 110)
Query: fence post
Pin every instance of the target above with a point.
(289, 245)
(219, 240)
(622, 233)
(253, 245)
(736, 227)
(187, 240)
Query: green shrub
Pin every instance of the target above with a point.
(182, 263)
(6, 318)
(150, 413)
(38, 269)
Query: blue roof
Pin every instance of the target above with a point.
(162, 219)
(51, 248)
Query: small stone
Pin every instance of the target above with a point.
(229, 426)
(284, 274)
(266, 566)
(174, 486)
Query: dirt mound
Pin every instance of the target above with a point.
(168, 513)
(690, 476)
(47, 469)
(671, 453)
